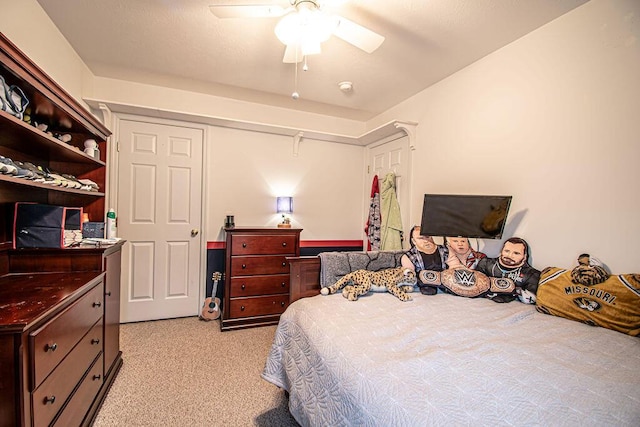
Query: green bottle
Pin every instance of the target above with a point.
(111, 224)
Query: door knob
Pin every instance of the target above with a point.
(194, 232)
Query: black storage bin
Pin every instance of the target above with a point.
(44, 226)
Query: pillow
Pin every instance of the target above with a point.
(613, 303)
(430, 277)
(334, 265)
(466, 283)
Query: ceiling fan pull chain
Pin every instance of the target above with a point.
(295, 94)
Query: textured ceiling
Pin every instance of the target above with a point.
(181, 44)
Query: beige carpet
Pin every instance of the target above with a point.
(185, 372)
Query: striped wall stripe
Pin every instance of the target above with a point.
(306, 244)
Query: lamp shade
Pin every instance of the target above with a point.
(284, 204)
(307, 27)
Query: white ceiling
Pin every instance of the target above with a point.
(181, 44)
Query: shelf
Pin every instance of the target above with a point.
(22, 141)
(22, 137)
(387, 130)
(28, 183)
(48, 101)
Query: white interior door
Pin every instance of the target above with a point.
(159, 204)
(393, 156)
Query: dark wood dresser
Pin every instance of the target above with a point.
(257, 279)
(59, 334)
(59, 308)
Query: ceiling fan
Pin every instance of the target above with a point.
(304, 25)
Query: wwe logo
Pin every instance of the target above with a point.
(465, 277)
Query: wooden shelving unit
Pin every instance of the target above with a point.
(59, 328)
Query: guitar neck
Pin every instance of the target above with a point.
(216, 278)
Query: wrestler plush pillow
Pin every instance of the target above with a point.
(467, 283)
(589, 295)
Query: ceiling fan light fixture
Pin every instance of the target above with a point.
(311, 49)
(305, 27)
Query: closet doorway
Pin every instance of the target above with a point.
(392, 156)
(159, 202)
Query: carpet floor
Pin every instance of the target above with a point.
(185, 372)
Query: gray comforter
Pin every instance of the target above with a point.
(446, 360)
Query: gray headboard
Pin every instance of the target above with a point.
(334, 265)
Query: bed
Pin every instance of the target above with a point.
(447, 360)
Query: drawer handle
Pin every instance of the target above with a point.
(108, 293)
(244, 245)
(244, 265)
(95, 341)
(283, 284)
(282, 304)
(51, 347)
(284, 264)
(48, 399)
(97, 377)
(284, 244)
(97, 304)
(242, 308)
(242, 287)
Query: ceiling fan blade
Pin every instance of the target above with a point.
(247, 11)
(357, 35)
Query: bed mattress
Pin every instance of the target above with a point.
(447, 360)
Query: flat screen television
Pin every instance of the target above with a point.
(473, 216)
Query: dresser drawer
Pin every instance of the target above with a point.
(53, 341)
(259, 285)
(252, 265)
(79, 404)
(51, 395)
(258, 306)
(263, 244)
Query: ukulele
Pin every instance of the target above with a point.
(211, 306)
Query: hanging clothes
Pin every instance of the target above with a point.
(373, 223)
(391, 228)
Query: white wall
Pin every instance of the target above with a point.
(248, 170)
(552, 119)
(26, 24)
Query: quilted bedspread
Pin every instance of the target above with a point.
(446, 360)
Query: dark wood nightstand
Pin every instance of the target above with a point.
(305, 277)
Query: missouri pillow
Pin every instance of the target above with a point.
(613, 303)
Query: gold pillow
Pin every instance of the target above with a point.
(613, 303)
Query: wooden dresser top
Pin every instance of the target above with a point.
(27, 298)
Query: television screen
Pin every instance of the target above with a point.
(450, 215)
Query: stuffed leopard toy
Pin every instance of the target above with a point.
(397, 281)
